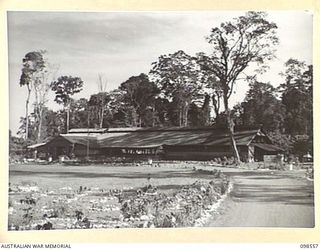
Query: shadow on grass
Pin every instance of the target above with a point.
(125, 175)
(134, 174)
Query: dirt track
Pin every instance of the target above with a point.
(267, 199)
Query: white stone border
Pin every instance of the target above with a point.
(207, 214)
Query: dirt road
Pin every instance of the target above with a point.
(267, 199)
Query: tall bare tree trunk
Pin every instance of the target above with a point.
(186, 112)
(68, 117)
(206, 110)
(40, 124)
(153, 116)
(27, 113)
(216, 106)
(27, 119)
(101, 118)
(180, 117)
(140, 121)
(230, 125)
(134, 119)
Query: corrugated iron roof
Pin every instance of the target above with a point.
(82, 139)
(154, 138)
(88, 130)
(179, 137)
(178, 129)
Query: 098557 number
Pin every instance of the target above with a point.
(309, 246)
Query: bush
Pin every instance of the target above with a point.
(181, 209)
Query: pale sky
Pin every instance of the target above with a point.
(123, 44)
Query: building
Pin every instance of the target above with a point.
(164, 143)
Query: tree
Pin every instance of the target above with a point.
(163, 110)
(16, 146)
(284, 141)
(121, 114)
(41, 88)
(302, 147)
(65, 87)
(54, 122)
(297, 97)
(212, 89)
(82, 112)
(100, 103)
(140, 94)
(262, 107)
(31, 128)
(236, 114)
(176, 75)
(247, 41)
(32, 64)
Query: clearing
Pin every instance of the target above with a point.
(43, 197)
(130, 176)
(259, 198)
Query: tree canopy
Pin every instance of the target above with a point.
(177, 77)
(247, 40)
(297, 97)
(140, 93)
(65, 87)
(186, 90)
(32, 65)
(262, 107)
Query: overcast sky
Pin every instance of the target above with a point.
(123, 44)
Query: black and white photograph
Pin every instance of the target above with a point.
(160, 119)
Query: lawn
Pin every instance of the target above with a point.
(130, 176)
(112, 195)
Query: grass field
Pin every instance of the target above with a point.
(111, 195)
(167, 176)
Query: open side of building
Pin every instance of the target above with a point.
(166, 143)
